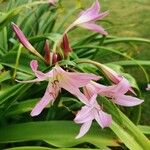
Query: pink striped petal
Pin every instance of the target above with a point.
(49, 96)
(94, 27)
(89, 14)
(42, 104)
(93, 101)
(89, 90)
(102, 15)
(80, 79)
(103, 119)
(34, 67)
(122, 87)
(84, 115)
(111, 74)
(125, 100)
(73, 90)
(84, 129)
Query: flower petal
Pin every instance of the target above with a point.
(42, 104)
(80, 79)
(122, 87)
(89, 90)
(75, 91)
(84, 115)
(49, 96)
(34, 67)
(125, 100)
(89, 14)
(84, 129)
(111, 74)
(102, 15)
(103, 119)
(94, 27)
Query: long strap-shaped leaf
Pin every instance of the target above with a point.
(57, 133)
(130, 135)
(7, 17)
(46, 148)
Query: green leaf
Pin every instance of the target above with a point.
(130, 135)
(5, 76)
(7, 17)
(126, 39)
(52, 36)
(9, 92)
(30, 148)
(23, 65)
(21, 107)
(56, 133)
(132, 63)
(128, 140)
(45, 148)
(144, 129)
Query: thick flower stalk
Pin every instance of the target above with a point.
(58, 78)
(87, 19)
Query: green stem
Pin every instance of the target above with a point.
(17, 61)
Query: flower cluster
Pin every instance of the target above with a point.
(73, 82)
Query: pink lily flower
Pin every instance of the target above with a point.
(116, 93)
(58, 78)
(90, 112)
(92, 109)
(115, 77)
(88, 18)
(24, 41)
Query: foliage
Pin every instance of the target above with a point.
(54, 128)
